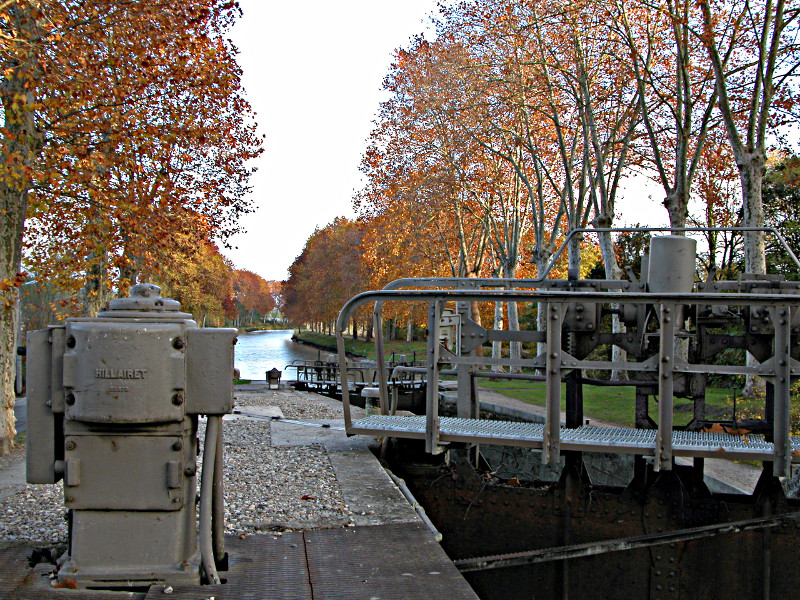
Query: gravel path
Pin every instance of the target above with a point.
(267, 488)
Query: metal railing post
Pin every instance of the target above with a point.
(551, 450)
(782, 382)
(666, 381)
(432, 387)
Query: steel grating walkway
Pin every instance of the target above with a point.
(589, 438)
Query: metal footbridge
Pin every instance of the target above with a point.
(619, 440)
(674, 331)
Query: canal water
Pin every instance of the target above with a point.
(259, 351)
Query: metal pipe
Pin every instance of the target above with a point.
(218, 503)
(732, 298)
(415, 505)
(621, 544)
(206, 493)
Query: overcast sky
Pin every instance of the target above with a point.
(313, 74)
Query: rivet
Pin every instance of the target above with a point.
(177, 343)
(667, 320)
(71, 342)
(70, 445)
(177, 399)
(70, 399)
(177, 445)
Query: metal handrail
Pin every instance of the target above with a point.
(555, 300)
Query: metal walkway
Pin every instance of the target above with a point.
(391, 562)
(588, 439)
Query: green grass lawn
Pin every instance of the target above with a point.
(615, 404)
(365, 349)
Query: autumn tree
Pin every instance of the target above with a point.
(328, 272)
(254, 297)
(675, 90)
(203, 286)
(754, 49)
(124, 123)
(781, 194)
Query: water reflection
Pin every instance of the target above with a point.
(259, 351)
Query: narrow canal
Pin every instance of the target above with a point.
(259, 351)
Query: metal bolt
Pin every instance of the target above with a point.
(177, 399)
(665, 359)
(70, 399)
(177, 445)
(554, 355)
(668, 310)
(71, 342)
(667, 320)
(189, 471)
(177, 343)
(70, 445)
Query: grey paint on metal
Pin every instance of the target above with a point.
(666, 370)
(40, 446)
(117, 399)
(124, 372)
(671, 264)
(209, 385)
